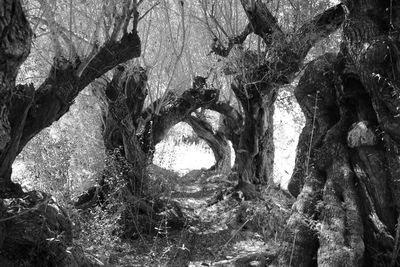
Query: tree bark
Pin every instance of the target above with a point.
(125, 96)
(15, 44)
(215, 140)
(255, 85)
(255, 155)
(135, 131)
(231, 125)
(347, 160)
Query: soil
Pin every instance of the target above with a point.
(222, 230)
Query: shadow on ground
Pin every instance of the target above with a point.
(228, 233)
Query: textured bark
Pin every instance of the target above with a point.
(255, 154)
(15, 44)
(151, 125)
(327, 172)
(255, 84)
(316, 98)
(232, 122)
(216, 140)
(347, 161)
(122, 102)
(25, 111)
(263, 23)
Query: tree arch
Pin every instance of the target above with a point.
(258, 76)
(215, 139)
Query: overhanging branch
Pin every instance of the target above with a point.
(66, 79)
(321, 26)
(219, 49)
(261, 19)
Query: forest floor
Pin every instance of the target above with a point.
(230, 232)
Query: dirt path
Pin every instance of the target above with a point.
(228, 233)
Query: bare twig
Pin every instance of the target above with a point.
(148, 11)
(50, 17)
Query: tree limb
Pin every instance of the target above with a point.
(216, 140)
(321, 26)
(49, 14)
(66, 79)
(219, 49)
(176, 111)
(232, 122)
(261, 19)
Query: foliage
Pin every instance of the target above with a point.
(99, 230)
(47, 168)
(267, 217)
(66, 158)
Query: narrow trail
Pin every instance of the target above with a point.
(216, 238)
(228, 233)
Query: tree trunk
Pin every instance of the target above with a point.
(255, 155)
(215, 140)
(231, 125)
(347, 160)
(125, 99)
(257, 79)
(15, 44)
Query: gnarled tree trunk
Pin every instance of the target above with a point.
(347, 161)
(231, 124)
(255, 85)
(255, 154)
(15, 44)
(216, 140)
